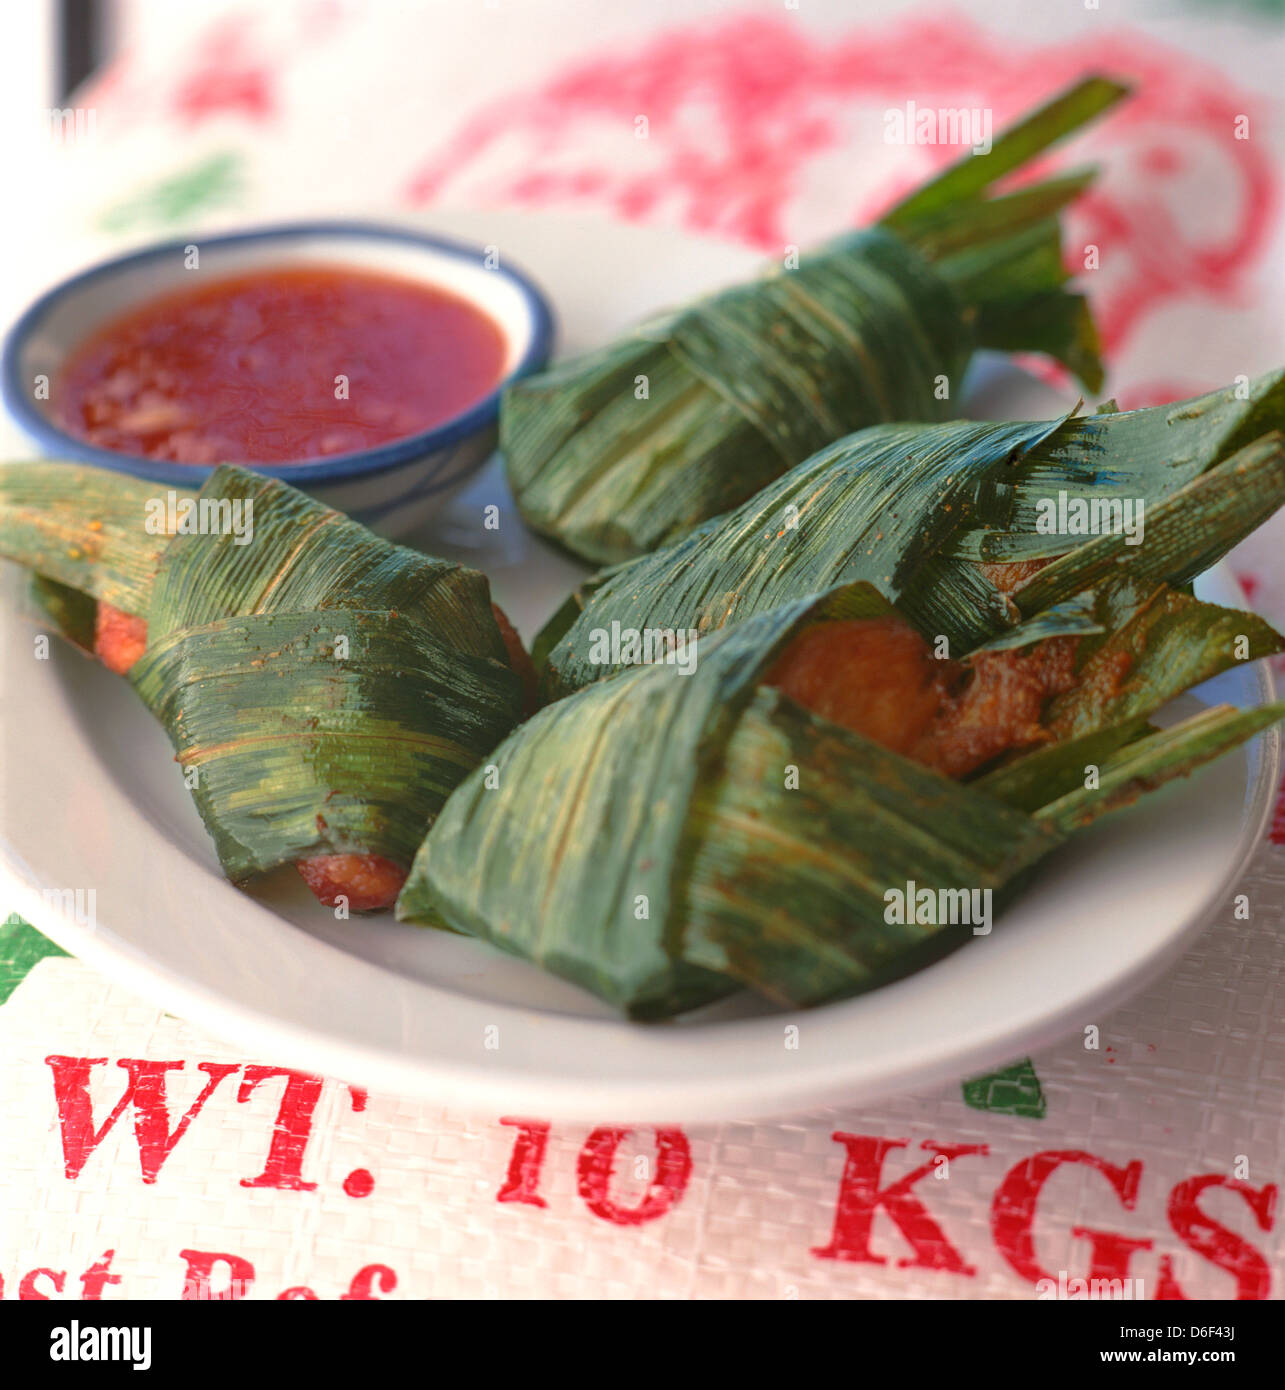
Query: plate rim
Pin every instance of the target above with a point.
(475, 1088)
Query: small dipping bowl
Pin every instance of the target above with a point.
(393, 486)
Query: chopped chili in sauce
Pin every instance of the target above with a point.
(278, 366)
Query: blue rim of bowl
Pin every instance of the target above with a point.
(342, 467)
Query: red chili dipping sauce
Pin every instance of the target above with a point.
(278, 366)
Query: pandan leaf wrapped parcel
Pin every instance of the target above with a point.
(945, 521)
(627, 448)
(672, 834)
(324, 689)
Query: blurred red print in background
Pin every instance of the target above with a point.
(753, 123)
(229, 77)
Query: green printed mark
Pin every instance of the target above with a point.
(21, 946)
(214, 181)
(1013, 1090)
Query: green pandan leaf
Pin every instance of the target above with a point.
(621, 891)
(701, 830)
(84, 528)
(629, 447)
(324, 689)
(916, 510)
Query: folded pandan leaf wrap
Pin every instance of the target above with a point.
(627, 448)
(80, 531)
(676, 861)
(324, 688)
(910, 508)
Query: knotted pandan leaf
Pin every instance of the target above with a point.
(878, 506)
(913, 509)
(702, 831)
(86, 528)
(628, 447)
(612, 778)
(323, 688)
(326, 688)
(1142, 652)
(294, 750)
(83, 534)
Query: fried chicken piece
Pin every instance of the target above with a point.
(999, 707)
(119, 638)
(369, 882)
(878, 677)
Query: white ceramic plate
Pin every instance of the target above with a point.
(93, 800)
